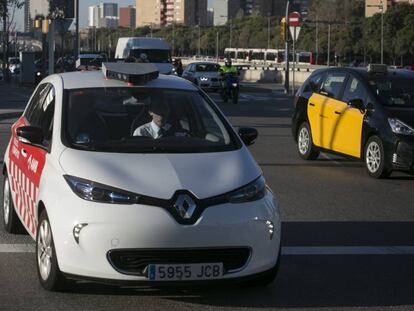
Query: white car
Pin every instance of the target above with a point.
(113, 196)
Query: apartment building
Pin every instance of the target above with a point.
(103, 15)
(127, 17)
(161, 13)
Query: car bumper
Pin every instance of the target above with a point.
(139, 227)
(210, 85)
(401, 153)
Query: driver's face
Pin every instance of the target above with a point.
(158, 119)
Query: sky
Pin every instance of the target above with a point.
(84, 4)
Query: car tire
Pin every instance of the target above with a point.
(50, 276)
(374, 157)
(306, 148)
(11, 221)
(266, 278)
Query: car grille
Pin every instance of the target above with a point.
(214, 80)
(130, 261)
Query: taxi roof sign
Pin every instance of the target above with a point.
(377, 68)
(134, 73)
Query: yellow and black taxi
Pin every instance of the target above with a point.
(365, 113)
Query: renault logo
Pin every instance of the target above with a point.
(185, 206)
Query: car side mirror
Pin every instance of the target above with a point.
(30, 135)
(357, 104)
(248, 135)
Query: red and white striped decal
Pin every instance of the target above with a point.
(25, 193)
(25, 177)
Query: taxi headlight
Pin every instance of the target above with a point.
(92, 191)
(252, 192)
(204, 79)
(399, 127)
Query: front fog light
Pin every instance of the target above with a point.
(77, 230)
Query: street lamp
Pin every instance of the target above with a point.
(380, 6)
(199, 41)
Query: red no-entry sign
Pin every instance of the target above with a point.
(294, 19)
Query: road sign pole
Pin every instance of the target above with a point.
(287, 51)
(294, 61)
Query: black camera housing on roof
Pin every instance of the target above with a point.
(134, 73)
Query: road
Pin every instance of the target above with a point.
(348, 240)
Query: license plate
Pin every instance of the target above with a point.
(185, 272)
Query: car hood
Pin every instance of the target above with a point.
(406, 115)
(161, 175)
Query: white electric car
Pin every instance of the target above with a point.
(122, 175)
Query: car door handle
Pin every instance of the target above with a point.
(24, 153)
(338, 112)
(310, 104)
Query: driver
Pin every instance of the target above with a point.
(158, 127)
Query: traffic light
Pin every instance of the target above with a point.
(283, 29)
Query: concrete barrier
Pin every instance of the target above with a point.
(273, 75)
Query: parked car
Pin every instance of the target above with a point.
(203, 74)
(366, 113)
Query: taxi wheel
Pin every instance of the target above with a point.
(375, 158)
(50, 276)
(11, 221)
(306, 149)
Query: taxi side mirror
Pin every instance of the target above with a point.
(357, 104)
(248, 135)
(30, 135)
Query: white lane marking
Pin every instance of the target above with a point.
(286, 251)
(17, 248)
(347, 250)
(329, 158)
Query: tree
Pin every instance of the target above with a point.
(8, 10)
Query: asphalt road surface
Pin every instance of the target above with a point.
(348, 240)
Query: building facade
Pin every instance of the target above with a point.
(127, 17)
(161, 13)
(265, 7)
(28, 22)
(103, 15)
(374, 6)
(225, 10)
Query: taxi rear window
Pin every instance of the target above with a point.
(394, 92)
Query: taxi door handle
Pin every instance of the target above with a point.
(24, 153)
(310, 104)
(338, 112)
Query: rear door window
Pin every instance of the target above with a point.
(333, 84)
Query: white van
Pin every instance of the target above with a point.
(156, 49)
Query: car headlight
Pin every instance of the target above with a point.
(399, 127)
(252, 192)
(92, 191)
(204, 79)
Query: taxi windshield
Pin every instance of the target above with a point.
(394, 92)
(144, 120)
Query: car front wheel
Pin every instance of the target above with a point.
(306, 149)
(375, 158)
(50, 276)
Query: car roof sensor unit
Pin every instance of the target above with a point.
(133, 73)
(377, 69)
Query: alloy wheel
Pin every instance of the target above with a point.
(303, 141)
(373, 157)
(44, 250)
(6, 201)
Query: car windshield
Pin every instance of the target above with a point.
(394, 92)
(153, 55)
(14, 61)
(207, 68)
(144, 120)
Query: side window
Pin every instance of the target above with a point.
(43, 113)
(355, 90)
(333, 84)
(38, 97)
(314, 83)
